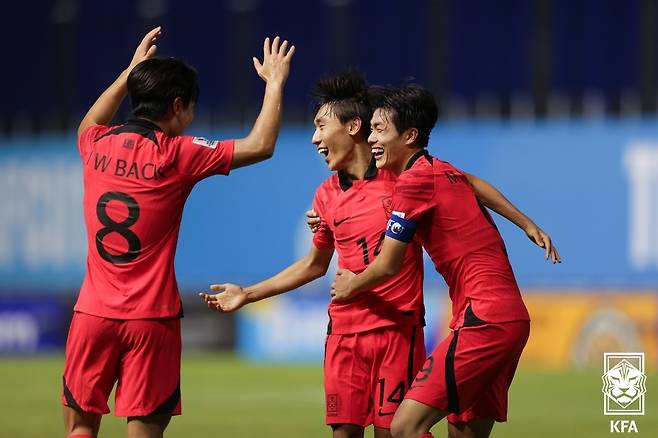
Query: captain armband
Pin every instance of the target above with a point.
(401, 229)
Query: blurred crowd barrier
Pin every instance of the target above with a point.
(507, 59)
(592, 185)
(575, 327)
(570, 328)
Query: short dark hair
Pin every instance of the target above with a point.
(411, 106)
(346, 96)
(154, 84)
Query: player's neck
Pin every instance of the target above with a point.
(403, 163)
(358, 165)
(167, 126)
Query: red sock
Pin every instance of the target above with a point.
(81, 435)
(426, 435)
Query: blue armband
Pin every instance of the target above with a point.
(400, 229)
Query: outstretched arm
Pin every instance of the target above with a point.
(259, 144)
(106, 106)
(496, 201)
(232, 297)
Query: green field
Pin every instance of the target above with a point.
(226, 397)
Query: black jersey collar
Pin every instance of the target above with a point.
(143, 127)
(345, 181)
(421, 153)
(143, 123)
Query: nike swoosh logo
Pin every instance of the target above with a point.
(336, 223)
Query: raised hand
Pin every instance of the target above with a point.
(313, 220)
(231, 297)
(147, 47)
(543, 240)
(276, 61)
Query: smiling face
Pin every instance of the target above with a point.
(389, 147)
(333, 139)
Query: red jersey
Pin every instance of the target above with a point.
(354, 215)
(460, 237)
(136, 181)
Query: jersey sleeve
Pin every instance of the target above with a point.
(323, 237)
(88, 136)
(199, 158)
(412, 198)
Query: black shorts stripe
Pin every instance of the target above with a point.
(168, 406)
(70, 401)
(410, 359)
(451, 381)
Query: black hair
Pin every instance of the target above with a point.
(410, 106)
(154, 84)
(346, 96)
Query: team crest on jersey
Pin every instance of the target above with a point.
(387, 203)
(332, 405)
(205, 142)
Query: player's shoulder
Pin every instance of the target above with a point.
(329, 187)
(385, 175)
(94, 133)
(191, 144)
(418, 178)
(442, 166)
(421, 166)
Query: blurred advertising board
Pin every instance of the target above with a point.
(33, 324)
(293, 327)
(572, 328)
(593, 185)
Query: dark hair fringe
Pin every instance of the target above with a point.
(411, 106)
(155, 83)
(346, 95)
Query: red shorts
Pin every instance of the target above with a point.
(367, 374)
(142, 354)
(470, 371)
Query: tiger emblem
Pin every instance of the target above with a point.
(624, 383)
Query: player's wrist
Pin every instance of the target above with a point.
(249, 297)
(275, 85)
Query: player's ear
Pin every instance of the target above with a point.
(410, 136)
(177, 106)
(354, 125)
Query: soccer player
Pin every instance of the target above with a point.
(137, 176)
(374, 343)
(468, 375)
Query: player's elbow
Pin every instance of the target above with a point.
(248, 151)
(267, 153)
(387, 274)
(390, 269)
(263, 149)
(317, 269)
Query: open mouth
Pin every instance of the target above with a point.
(323, 150)
(377, 152)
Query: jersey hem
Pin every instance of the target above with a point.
(132, 316)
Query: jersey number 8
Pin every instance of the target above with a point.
(123, 228)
